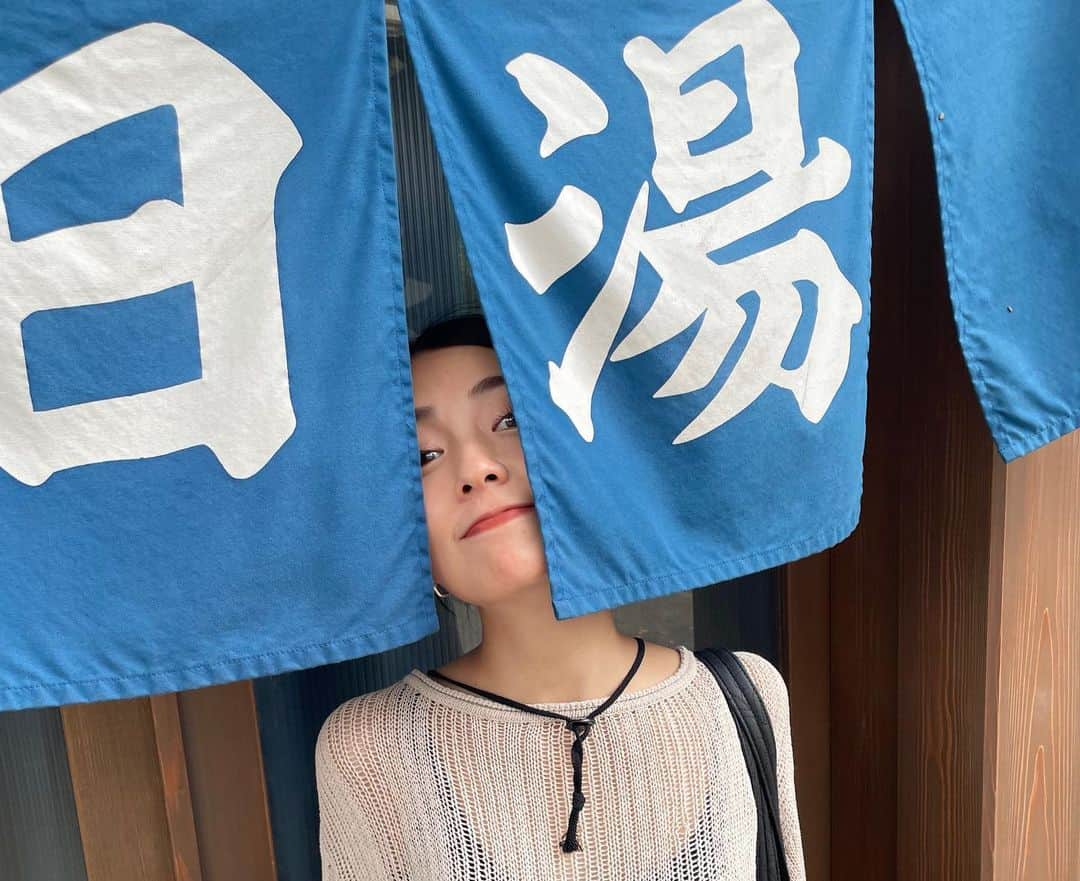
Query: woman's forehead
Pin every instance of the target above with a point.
(451, 373)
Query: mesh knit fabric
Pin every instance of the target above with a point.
(424, 781)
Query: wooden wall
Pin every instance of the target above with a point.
(171, 787)
(934, 656)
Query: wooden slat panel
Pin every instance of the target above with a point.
(945, 541)
(865, 569)
(39, 826)
(909, 604)
(804, 593)
(116, 780)
(172, 763)
(228, 791)
(1034, 760)
(862, 700)
(942, 510)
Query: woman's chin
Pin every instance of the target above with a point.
(508, 570)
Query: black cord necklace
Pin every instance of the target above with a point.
(580, 727)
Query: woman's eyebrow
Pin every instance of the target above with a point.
(484, 385)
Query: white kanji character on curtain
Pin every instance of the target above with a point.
(234, 145)
(691, 282)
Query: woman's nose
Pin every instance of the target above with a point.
(482, 468)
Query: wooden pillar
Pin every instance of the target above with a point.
(1031, 760)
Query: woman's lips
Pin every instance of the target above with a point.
(497, 520)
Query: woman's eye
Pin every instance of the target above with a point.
(508, 415)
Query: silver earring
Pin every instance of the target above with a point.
(435, 587)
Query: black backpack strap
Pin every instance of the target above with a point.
(759, 751)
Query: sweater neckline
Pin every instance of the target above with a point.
(478, 705)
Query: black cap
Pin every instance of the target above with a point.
(465, 330)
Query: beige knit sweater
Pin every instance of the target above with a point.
(427, 782)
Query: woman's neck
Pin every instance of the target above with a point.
(530, 656)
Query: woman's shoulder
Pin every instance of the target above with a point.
(763, 671)
(357, 728)
(769, 682)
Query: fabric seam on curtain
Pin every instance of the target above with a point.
(233, 669)
(723, 570)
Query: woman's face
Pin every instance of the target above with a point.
(472, 464)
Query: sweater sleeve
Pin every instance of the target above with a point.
(774, 694)
(348, 846)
